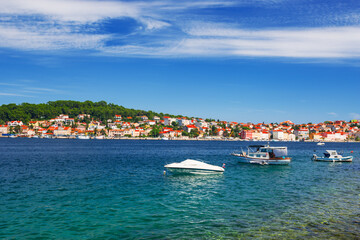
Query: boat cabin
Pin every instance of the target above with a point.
(331, 154)
(267, 152)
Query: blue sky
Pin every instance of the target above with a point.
(246, 60)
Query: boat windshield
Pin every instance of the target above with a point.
(279, 152)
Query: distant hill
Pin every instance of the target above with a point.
(98, 110)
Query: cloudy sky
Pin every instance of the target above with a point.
(245, 60)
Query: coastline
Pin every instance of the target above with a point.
(180, 139)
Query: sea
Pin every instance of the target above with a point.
(117, 189)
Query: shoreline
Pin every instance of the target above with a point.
(181, 139)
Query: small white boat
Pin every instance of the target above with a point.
(320, 144)
(35, 136)
(12, 136)
(264, 155)
(164, 138)
(332, 156)
(83, 137)
(100, 137)
(190, 166)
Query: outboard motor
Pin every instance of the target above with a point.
(314, 157)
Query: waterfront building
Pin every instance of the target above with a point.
(278, 135)
(302, 133)
(246, 134)
(62, 131)
(265, 135)
(4, 129)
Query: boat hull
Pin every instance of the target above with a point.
(343, 159)
(193, 171)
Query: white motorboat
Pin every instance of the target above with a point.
(332, 156)
(190, 166)
(12, 136)
(320, 144)
(164, 138)
(83, 137)
(264, 155)
(100, 137)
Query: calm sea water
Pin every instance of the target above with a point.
(115, 189)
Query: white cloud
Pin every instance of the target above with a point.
(332, 114)
(337, 42)
(153, 24)
(41, 89)
(13, 95)
(73, 24)
(354, 115)
(71, 10)
(47, 39)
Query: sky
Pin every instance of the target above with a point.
(245, 61)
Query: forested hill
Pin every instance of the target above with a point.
(98, 110)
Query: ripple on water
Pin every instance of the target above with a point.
(68, 189)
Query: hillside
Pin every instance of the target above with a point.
(98, 110)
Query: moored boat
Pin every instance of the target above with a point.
(320, 144)
(264, 155)
(332, 156)
(83, 137)
(190, 166)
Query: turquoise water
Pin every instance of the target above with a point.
(115, 189)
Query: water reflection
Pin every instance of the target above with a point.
(194, 180)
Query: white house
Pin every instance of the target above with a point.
(278, 135)
(302, 133)
(83, 116)
(4, 129)
(202, 124)
(169, 120)
(69, 121)
(15, 123)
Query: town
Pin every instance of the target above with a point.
(181, 128)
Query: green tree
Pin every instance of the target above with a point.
(17, 129)
(194, 133)
(155, 132)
